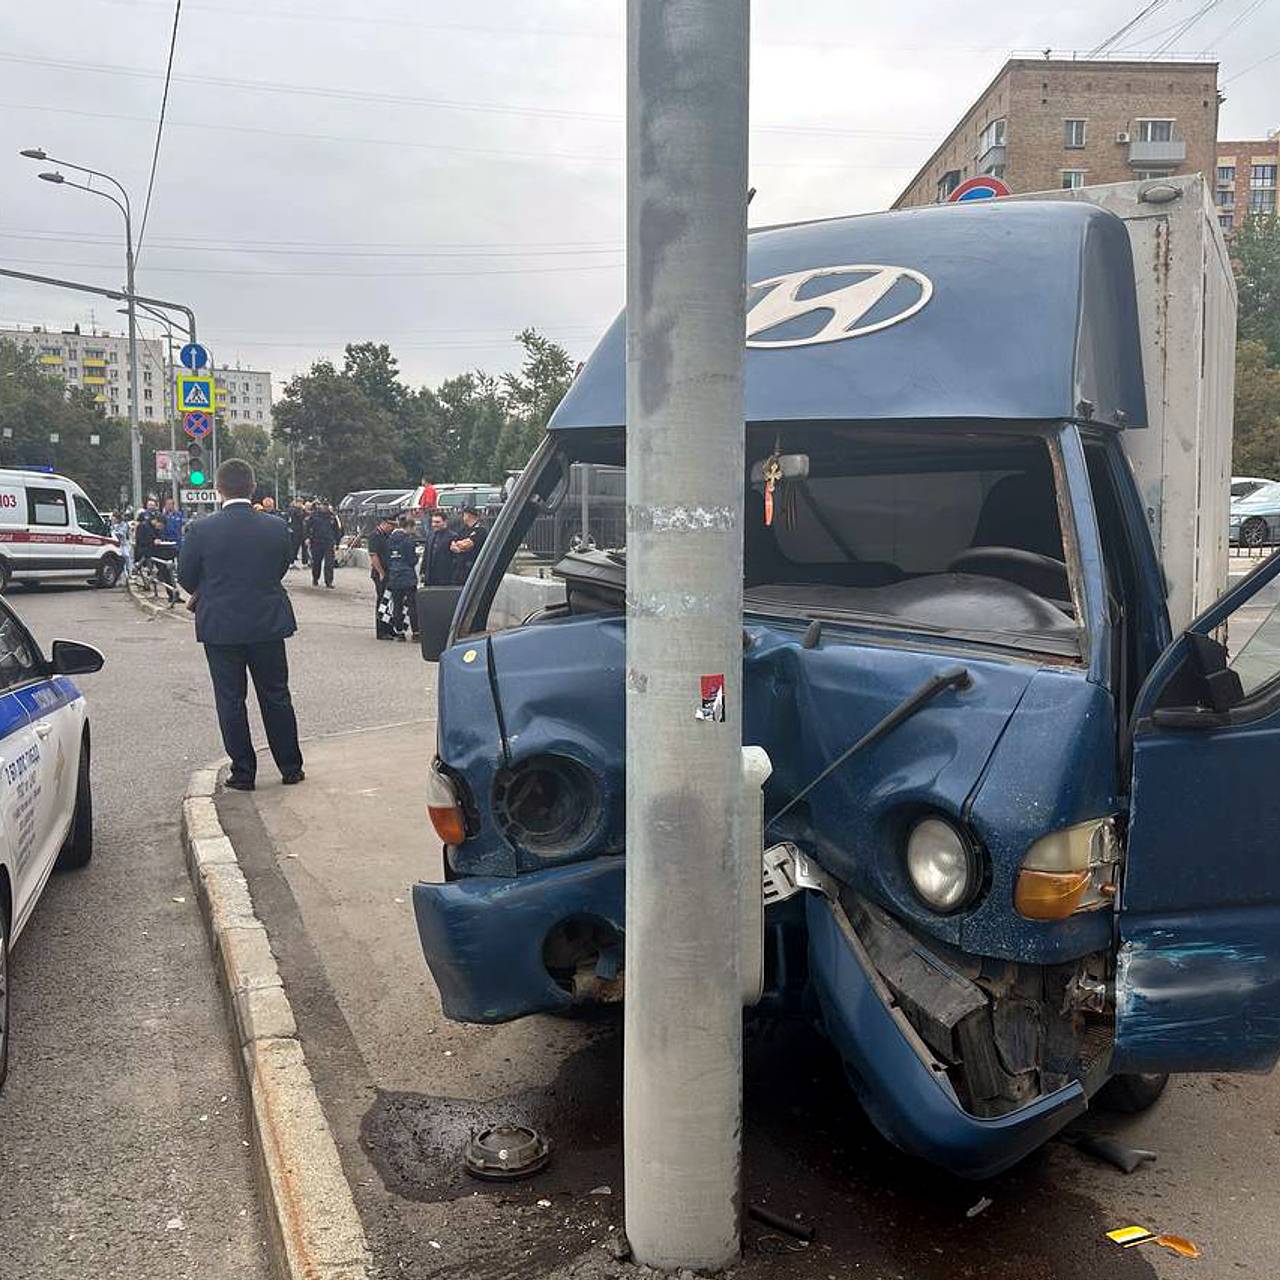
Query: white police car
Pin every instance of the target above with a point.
(46, 802)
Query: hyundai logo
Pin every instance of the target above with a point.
(800, 312)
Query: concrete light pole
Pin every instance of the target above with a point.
(135, 433)
(687, 71)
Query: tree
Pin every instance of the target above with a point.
(531, 397)
(1256, 451)
(372, 367)
(1255, 253)
(342, 439)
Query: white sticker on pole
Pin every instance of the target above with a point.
(711, 706)
(13, 505)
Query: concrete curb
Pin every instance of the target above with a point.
(178, 612)
(314, 1231)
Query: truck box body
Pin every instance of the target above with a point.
(1187, 317)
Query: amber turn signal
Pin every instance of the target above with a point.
(1049, 895)
(447, 820)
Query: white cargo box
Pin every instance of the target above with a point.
(1187, 313)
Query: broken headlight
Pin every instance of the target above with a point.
(548, 805)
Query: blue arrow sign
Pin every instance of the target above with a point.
(193, 356)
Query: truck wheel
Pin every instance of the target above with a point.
(77, 849)
(1131, 1094)
(108, 572)
(1254, 532)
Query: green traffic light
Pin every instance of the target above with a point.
(197, 477)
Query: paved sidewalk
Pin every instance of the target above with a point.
(330, 865)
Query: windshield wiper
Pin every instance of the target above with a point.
(951, 678)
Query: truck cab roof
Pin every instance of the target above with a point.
(993, 310)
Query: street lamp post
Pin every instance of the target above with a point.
(170, 402)
(135, 433)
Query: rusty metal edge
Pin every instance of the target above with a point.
(314, 1231)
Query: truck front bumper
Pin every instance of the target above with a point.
(483, 939)
(483, 936)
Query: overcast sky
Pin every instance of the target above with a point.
(438, 175)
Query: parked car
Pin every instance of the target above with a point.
(50, 531)
(46, 795)
(1243, 486)
(1255, 518)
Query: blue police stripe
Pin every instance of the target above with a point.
(46, 696)
(13, 715)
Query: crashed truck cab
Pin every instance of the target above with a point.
(1052, 860)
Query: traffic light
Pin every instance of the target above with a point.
(195, 463)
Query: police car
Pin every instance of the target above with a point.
(46, 801)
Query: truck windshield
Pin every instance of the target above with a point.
(951, 531)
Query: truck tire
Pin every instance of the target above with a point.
(108, 573)
(1131, 1094)
(1254, 532)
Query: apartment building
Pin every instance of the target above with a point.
(99, 363)
(1048, 123)
(1245, 181)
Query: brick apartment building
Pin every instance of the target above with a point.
(1245, 182)
(1049, 123)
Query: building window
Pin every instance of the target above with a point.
(146, 377)
(1226, 198)
(1262, 200)
(992, 136)
(1155, 130)
(1149, 175)
(259, 415)
(1072, 178)
(1262, 175)
(948, 183)
(1226, 175)
(1226, 221)
(146, 395)
(1073, 134)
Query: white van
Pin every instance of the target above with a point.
(49, 530)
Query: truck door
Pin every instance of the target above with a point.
(1198, 966)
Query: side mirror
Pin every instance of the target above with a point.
(71, 658)
(1202, 693)
(1221, 686)
(435, 606)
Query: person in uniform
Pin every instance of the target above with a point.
(437, 560)
(466, 545)
(322, 531)
(379, 554)
(402, 576)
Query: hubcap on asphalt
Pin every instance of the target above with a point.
(506, 1152)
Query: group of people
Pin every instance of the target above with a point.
(447, 555)
(314, 534)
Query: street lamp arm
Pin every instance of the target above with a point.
(97, 173)
(106, 195)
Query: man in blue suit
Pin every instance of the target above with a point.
(232, 564)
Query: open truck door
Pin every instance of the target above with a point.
(1198, 968)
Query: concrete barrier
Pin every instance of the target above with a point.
(519, 596)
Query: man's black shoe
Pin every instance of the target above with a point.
(290, 779)
(240, 784)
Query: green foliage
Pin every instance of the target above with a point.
(342, 440)
(1255, 253)
(364, 428)
(1256, 450)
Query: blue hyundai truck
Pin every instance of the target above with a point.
(1020, 840)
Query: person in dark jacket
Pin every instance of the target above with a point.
(466, 545)
(322, 531)
(437, 560)
(402, 576)
(297, 517)
(378, 555)
(232, 563)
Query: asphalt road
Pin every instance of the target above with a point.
(123, 1144)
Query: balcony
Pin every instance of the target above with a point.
(50, 359)
(92, 362)
(94, 380)
(1157, 155)
(991, 158)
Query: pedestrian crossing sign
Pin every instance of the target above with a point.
(195, 393)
